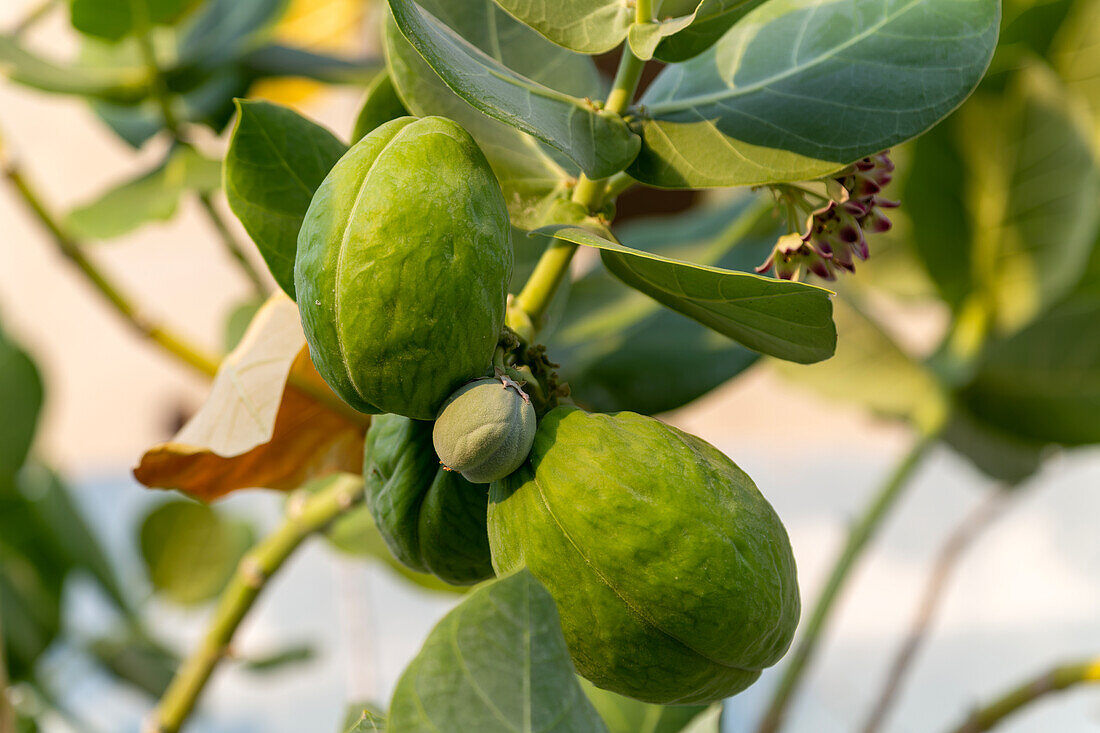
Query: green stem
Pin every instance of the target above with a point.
(858, 537)
(1057, 679)
(553, 267)
(176, 345)
(231, 246)
(32, 18)
(253, 573)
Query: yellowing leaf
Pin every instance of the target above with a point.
(255, 430)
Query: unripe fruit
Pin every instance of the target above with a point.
(673, 576)
(402, 268)
(485, 430)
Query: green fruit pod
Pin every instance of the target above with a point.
(673, 576)
(402, 269)
(433, 520)
(485, 430)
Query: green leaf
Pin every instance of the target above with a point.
(587, 26)
(1001, 456)
(798, 89)
(1032, 185)
(153, 196)
(190, 551)
(1042, 384)
(621, 350)
(276, 60)
(498, 661)
(21, 396)
(114, 19)
(363, 718)
(599, 142)
(280, 659)
(223, 30)
(136, 660)
(784, 319)
(276, 160)
(1076, 56)
(626, 715)
(380, 104)
(870, 370)
(528, 173)
(115, 85)
(680, 37)
(238, 322)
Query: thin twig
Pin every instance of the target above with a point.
(858, 538)
(1057, 679)
(190, 354)
(253, 574)
(952, 550)
(231, 246)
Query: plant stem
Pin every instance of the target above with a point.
(952, 550)
(1057, 679)
(231, 245)
(553, 267)
(255, 569)
(858, 537)
(36, 14)
(186, 352)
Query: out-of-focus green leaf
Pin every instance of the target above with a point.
(621, 350)
(281, 658)
(363, 718)
(497, 661)
(237, 323)
(587, 26)
(1042, 384)
(528, 171)
(136, 660)
(1076, 56)
(797, 89)
(626, 715)
(115, 19)
(785, 319)
(191, 551)
(276, 60)
(153, 196)
(276, 160)
(1032, 189)
(21, 396)
(870, 370)
(114, 85)
(597, 141)
(1000, 455)
(380, 104)
(223, 30)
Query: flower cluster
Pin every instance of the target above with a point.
(834, 229)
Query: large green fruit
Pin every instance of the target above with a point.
(673, 575)
(433, 520)
(485, 429)
(402, 269)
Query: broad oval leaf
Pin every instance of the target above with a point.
(190, 550)
(276, 160)
(621, 350)
(586, 26)
(597, 141)
(380, 104)
(21, 396)
(1076, 56)
(115, 19)
(1032, 187)
(799, 88)
(498, 661)
(153, 196)
(788, 320)
(681, 37)
(529, 174)
(123, 86)
(1043, 383)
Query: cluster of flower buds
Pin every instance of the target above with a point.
(835, 230)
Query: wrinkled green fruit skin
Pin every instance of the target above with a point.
(432, 520)
(673, 576)
(485, 430)
(402, 268)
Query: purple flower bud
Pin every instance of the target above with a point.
(875, 222)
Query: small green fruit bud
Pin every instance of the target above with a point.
(485, 430)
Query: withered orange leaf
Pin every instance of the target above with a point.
(255, 430)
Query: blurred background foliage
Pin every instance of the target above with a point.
(997, 234)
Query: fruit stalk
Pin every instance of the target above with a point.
(254, 571)
(859, 536)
